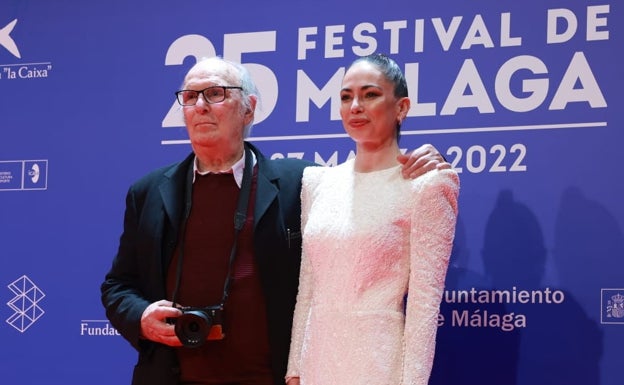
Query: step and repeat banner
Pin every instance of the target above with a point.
(525, 99)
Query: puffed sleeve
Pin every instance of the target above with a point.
(433, 218)
(304, 295)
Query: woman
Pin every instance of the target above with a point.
(369, 238)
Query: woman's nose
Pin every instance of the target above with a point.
(355, 105)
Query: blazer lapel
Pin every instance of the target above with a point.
(266, 190)
(173, 191)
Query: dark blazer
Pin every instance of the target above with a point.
(155, 207)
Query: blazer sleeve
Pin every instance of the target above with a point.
(433, 217)
(121, 293)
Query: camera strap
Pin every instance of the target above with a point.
(240, 216)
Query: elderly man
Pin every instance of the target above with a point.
(206, 274)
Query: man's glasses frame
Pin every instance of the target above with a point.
(212, 95)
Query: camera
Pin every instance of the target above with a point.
(197, 325)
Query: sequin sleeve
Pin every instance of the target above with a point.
(310, 179)
(432, 231)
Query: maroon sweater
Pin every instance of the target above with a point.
(242, 357)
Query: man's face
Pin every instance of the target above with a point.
(217, 125)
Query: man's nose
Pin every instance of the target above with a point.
(201, 102)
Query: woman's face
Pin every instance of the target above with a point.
(369, 110)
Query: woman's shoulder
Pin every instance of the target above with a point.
(313, 175)
(446, 179)
(327, 169)
(325, 175)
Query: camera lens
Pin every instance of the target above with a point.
(192, 328)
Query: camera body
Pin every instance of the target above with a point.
(199, 324)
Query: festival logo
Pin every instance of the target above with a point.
(97, 328)
(612, 306)
(35, 174)
(14, 71)
(25, 304)
(23, 175)
(7, 42)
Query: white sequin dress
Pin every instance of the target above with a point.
(368, 239)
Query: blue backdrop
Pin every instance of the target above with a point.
(524, 98)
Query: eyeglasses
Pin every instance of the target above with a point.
(214, 94)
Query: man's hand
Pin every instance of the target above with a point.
(154, 324)
(423, 159)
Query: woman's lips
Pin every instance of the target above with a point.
(357, 122)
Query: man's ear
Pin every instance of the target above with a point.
(251, 111)
(253, 100)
